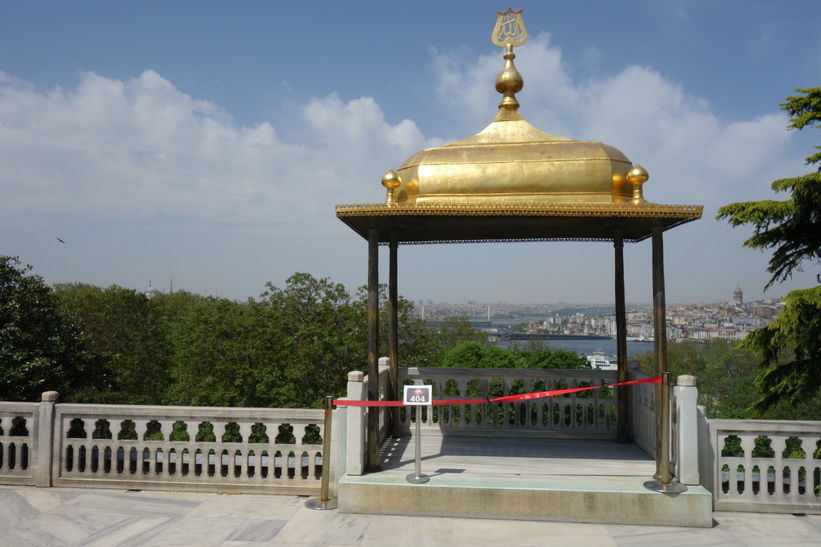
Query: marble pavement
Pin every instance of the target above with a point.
(91, 517)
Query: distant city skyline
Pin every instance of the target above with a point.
(208, 143)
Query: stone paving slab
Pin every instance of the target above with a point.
(89, 517)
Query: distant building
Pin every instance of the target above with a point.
(151, 291)
(738, 296)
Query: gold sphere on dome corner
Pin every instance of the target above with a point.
(637, 174)
(390, 180)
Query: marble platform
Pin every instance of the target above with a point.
(87, 517)
(566, 480)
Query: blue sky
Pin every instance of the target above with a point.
(208, 142)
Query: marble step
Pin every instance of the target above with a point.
(566, 498)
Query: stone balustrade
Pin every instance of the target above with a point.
(748, 465)
(158, 447)
(587, 414)
(19, 430)
(762, 465)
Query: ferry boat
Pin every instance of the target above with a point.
(602, 362)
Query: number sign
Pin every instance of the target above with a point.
(418, 395)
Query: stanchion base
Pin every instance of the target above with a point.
(673, 487)
(417, 479)
(321, 505)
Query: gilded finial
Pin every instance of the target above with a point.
(508, 33)
(391, 181)
(637, 176)
(510, 29)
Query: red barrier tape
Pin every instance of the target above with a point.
(509, 398)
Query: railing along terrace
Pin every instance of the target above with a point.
(188, 448)
(765, 465)
(18, 433)
(590, 413)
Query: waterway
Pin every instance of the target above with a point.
(587, 347)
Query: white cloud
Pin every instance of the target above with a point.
(358, 128)
(140, 147)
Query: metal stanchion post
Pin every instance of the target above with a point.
(325, 501)
(418, 396)
(417, 477)
(666, 483)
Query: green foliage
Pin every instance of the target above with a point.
(464, 355)
(122, 327)
(315, 336)
(546, 358)
(792, 229)
(726, 374)
(213, 355)
(475, 355)
(791, 350)
(41, 349)
(289, 349)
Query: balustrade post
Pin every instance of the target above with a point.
(355, 453)
(45, 440)
(687, 438)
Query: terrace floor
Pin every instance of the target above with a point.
(521, 478)
(68, 516)
(512, 457)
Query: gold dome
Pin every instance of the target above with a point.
(511, 161)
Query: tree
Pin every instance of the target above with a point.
(218, 356)
(791, 350)
(320, 338)
(40, 348)
(474, 355)
(547, 358)
(118, 324)
(465, 355)
(792, 228)
(726, 374)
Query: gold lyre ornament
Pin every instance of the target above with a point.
(510, 29)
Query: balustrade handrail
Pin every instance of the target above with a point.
(194, 412)
(71, 444)
(766, 426)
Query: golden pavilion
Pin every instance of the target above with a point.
(513, 182)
